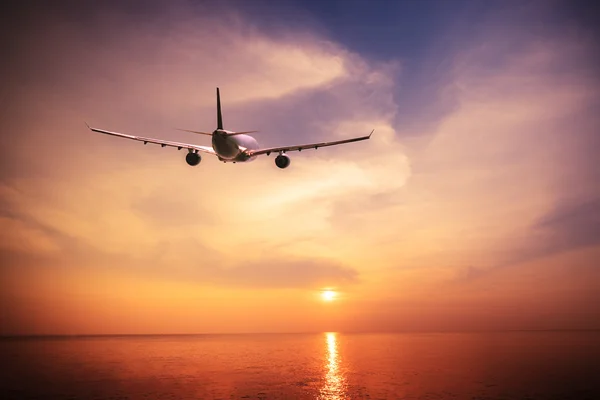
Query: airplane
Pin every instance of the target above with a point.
(230, 146)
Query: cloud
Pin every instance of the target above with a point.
(150, 73)
(509, 150)
(306, 273)
(570, 225)
(19, 236)
(192, 263)
(174, 250)
(164, 53)
(164, 210)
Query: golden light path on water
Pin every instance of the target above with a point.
(335, 383)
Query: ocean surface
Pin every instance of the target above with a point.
(510, 365)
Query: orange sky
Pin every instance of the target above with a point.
(485, 219)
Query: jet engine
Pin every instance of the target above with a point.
(193, 159)
(282, 161)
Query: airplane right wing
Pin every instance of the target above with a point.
(301, 147)
(163, 143)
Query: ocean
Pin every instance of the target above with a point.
(498, 365)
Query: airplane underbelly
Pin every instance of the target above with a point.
(225, 149)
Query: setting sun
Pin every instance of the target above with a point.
(328, 295)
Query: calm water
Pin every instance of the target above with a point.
(520, 365)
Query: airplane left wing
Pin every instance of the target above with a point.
(301, 147)
(163, 143)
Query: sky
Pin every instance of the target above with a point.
(474, 206)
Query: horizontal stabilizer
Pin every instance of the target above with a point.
(198, 132)
(241, 133)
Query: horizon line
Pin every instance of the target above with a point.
(99, 335)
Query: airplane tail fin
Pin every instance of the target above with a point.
(219, 116)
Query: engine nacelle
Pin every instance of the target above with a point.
(193, 159)
(283, 161)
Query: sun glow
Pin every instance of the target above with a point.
(328, 295)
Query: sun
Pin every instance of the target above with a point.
(328, 295)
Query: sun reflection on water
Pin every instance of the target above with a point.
(335, 383)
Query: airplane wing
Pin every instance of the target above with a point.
(163, 143)
(301, 147)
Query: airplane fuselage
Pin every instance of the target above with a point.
(233, 147)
